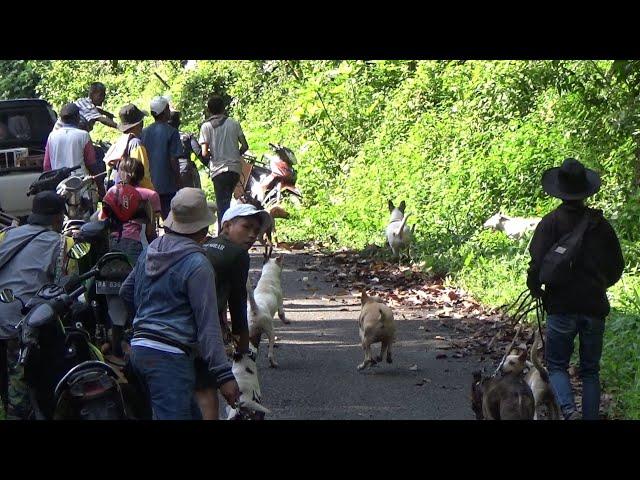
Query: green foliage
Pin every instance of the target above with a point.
(18, 79)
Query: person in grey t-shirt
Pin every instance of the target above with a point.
(223, 142)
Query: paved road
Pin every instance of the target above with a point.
(318, 353)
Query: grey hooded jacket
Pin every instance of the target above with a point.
(172, 291)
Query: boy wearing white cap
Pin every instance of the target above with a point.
(228, 253)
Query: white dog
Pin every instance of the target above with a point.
(399, 235)
(245, 371)
(264, 302)
(513, 227)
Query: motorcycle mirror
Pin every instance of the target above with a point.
(6, 295)
(79, 250)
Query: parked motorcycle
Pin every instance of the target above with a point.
(102, 291)
(271, 177)
(80, 194)
(65, 372)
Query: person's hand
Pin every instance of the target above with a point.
(230, 391)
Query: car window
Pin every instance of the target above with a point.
(31, 124)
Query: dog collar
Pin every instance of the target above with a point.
(238, 355)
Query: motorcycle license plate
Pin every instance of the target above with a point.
(106, 287)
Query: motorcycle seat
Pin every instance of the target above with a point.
(93, 230)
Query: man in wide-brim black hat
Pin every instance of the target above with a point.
(578, 304)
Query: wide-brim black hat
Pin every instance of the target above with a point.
(571, 181)
(130, 116)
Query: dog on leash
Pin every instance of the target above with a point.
(376, 325)
(505, 396)
(538, 380)
(399, 235)
(245, 372)
(264, 302)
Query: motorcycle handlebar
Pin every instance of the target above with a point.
(76, 280)
(77, 292)
(51, 179)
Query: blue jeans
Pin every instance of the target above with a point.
(132, 248)
(561, 332)
(169, 381)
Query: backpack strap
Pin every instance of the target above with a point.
(583, 224)
(21, 246)
(61, 261)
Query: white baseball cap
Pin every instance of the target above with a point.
(158, 105)
(247, 210)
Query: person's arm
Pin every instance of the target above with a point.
(127, 290)
(102, 111)
(204, 141)
(107, 121)
(614, 264)
(201, 287)
(175, 151)
(46, 166)
(238, 302)
(140, 153)
(244, 145)
(539, 246)
(92, 165)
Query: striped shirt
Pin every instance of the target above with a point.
(88, 110)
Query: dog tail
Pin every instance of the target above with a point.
(536, 360)
(404, 222)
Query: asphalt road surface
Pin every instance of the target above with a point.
(319, 350)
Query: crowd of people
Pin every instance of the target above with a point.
(183, 282)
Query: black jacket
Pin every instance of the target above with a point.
(231, 264)
(598, 265)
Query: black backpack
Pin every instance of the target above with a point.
(558, 263)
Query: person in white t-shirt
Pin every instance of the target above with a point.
(70, 146)
(223, 143)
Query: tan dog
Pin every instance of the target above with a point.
(538, 380)
(376, 325)
(506, 396)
